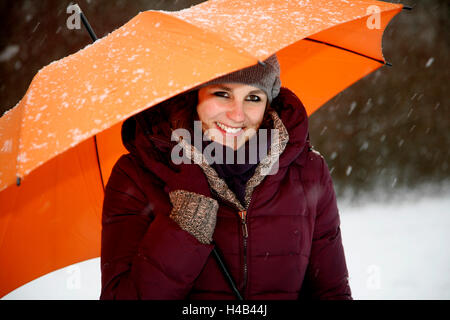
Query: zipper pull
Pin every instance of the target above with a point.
(243, 215)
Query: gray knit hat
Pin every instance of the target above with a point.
(265, 76)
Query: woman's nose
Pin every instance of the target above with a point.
(236, 112)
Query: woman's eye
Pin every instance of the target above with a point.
(254, 98)
(222, 94)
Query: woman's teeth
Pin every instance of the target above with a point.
(228, 129)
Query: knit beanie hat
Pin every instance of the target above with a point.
(265, 76)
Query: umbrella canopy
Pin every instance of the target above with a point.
(62, 139)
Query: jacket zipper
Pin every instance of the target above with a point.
(243, 215)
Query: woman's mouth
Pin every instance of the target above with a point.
(229, 130)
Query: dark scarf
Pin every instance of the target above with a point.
(237, 174)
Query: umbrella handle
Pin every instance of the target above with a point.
(225, 272)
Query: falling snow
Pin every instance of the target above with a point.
(348, 171)
(9, 52)
(22, 157)
(7, 146)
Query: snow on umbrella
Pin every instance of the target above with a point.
(62, 139)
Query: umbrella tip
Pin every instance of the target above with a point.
(18, 180)
(261, 63)
(388, 64)
(406, 7)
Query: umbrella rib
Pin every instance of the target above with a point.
(348, 50)
(98, 161)
(18, 177)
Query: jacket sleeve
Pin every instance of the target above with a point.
(144, 255)
(326, 276)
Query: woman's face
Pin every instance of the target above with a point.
(231, 113)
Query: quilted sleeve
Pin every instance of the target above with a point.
(144, 255)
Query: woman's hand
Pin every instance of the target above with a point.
(194, 213)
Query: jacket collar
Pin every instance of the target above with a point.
(264, 167)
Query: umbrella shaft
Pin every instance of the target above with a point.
(226, 273)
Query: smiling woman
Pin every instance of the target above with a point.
(274, 220)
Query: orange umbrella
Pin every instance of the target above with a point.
(62, 139)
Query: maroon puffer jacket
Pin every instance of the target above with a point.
(293, 247)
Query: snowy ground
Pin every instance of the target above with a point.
(398, 251)
(395, 250)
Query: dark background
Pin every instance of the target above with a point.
(386, 134)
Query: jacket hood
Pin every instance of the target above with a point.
(295, 119)
(147, 135)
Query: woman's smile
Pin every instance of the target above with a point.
(227, 130)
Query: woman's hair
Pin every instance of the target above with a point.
(176, 112)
